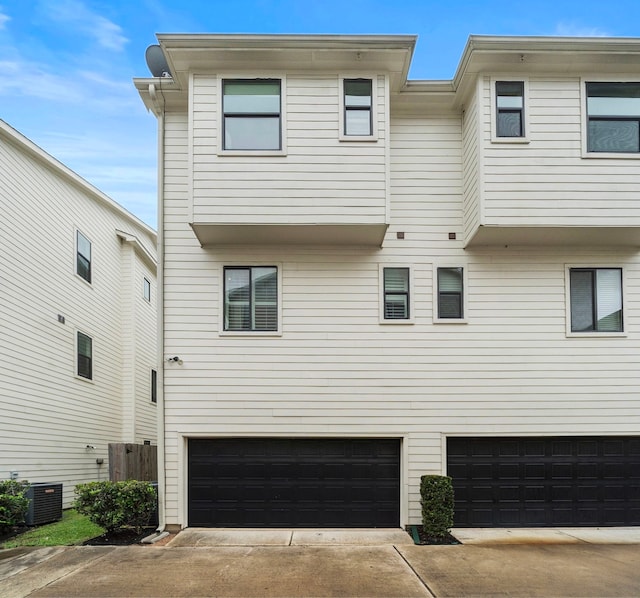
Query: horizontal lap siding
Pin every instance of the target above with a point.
(48, 414)
(320, 180)
(547, 181)
(336, 371)
(471, 167)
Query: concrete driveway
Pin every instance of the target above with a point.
(233, 563)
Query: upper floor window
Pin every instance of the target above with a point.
(83, 256)
(396, 293)
(146, 289)
(358, 104)
(613, 114)
(154, 386)
(84, 348)
(450, 293)
(510, 109)
(251, 298)
(252, 114)
(596, 299)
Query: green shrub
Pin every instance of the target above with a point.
(13, 503)
(437, 505)
(115, 505)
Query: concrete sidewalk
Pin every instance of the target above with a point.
(332, 563)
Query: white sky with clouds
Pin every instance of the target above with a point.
(67, 65)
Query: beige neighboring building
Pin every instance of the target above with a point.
(78, 339)
(366, 279)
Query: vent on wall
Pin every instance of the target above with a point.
(45, 503)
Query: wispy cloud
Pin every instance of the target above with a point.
(3, 18)
(76, 14)
(29, 79)
(577, 30)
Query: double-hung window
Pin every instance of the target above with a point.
(613, 117)
(396, 291)
(509, 109)
(450, 293)
(84, 356)
(358, 104)
(83, 257)
(251, 298)
(596, 299)
(252, 114)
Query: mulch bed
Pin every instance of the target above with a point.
(426, 540)
(124, 537)
(12, 532)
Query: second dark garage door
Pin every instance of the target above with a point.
(545, 481)
(300, 482)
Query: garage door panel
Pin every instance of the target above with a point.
(250, 482)
(545, 481)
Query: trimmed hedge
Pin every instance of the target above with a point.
(116, 505)
(437, 505)
(14, 504)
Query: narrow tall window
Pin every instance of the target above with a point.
(83, 256)
(357, 107)
(596, 299)
(84, 356)
(450, 293)
(154, 386)
(396, 294)
(509, 108)
(146, 289)
(613, 112)
(252, 114)
(251, 298)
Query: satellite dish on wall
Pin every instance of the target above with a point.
(156, 61)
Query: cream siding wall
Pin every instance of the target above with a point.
(49, 415)
(547, 181)
(308, 185)
(336, 371)
(471, 165)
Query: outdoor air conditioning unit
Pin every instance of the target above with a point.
(45, 503)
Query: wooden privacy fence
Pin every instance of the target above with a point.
(129, 461)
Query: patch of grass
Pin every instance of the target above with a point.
(72, 529)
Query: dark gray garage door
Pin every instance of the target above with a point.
(545, 482)
(310, 482)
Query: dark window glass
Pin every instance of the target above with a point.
(450, 289)
(252, 114)
(83, 256)
(85, 356)
(613, 112)
(147, 289)
(251, 298)
(154, 386)
(396, 293)
(357, 107)
(596, 299)
(510, 108)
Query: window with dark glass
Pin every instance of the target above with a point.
(83, 256)
(450, 297)
(596, 299)
(84, 356)
(251, 298)
(357, 107)
(154, 386)
(509, 108)
(396, 293)
(252, 114)
(613, 113)
(146, 289)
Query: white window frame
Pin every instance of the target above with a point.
(251, 264)
(153, 389)
(146, 284)
(592, 333)
(283, 114)
(584, 119)
(374, 108)
(76, 354)
(465, 293)
(391, 321)
(494, 109)
(77, 232)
